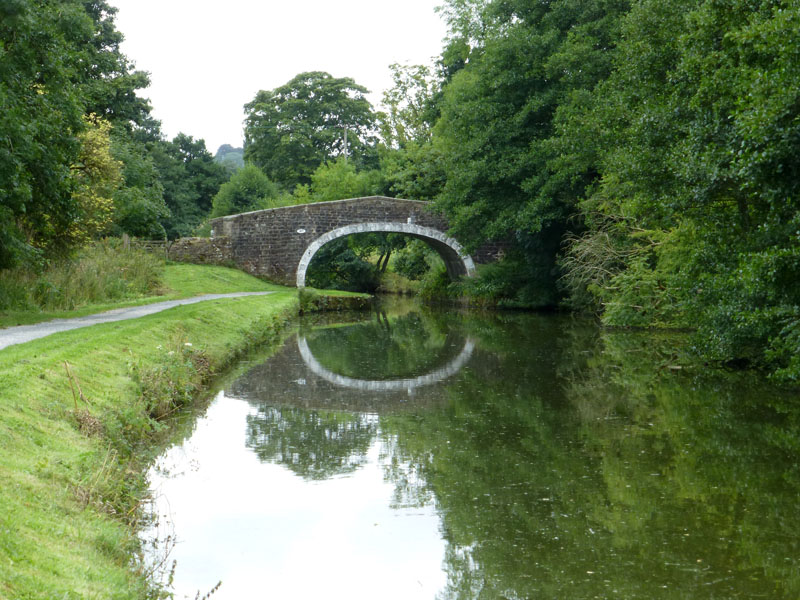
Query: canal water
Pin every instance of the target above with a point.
(409, 453)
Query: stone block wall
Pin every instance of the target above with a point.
(202, 251)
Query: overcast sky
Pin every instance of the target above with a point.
(207, 59)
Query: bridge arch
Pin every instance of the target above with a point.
(457, 262)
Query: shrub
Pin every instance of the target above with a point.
(103, 272)
(174, 381)
(412, 260)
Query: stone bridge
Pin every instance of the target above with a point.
(279, 243)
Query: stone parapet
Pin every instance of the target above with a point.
(202, 251)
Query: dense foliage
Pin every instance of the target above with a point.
(49, 79)
(80, 157)
(191, 178)
(700, 131)
(248, 189)
(641, 156)
(291, 130)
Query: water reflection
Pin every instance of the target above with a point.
(407, 384)
(311, 444)
(319, 423)
(557, 461)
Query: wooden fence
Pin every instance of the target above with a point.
(160, 247)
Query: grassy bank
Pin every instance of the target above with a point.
(76, 440)
(26, 298)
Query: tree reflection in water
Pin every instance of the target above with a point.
(312, 444)
(610, 476)
(565, 462)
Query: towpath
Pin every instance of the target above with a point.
(26, 333)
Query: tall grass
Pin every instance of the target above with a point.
(103, 272)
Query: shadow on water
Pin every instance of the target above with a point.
(560, 460)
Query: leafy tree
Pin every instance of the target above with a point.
(97, 175)
(415, 171)
(36, 85)
(414, 260)
(248, 189)
(59, 60)
(497, 127)
(410, 162)
(190, 178)
(339, 179)
(139, 205)
(291, 130)
(109, 79)
(410, 106)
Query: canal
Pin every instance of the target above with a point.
(413, 453)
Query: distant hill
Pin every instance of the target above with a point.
(229, 157)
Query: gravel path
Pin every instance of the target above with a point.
(26, 333)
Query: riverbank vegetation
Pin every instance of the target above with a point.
(81, 415)
(100, 273)
(106, 275)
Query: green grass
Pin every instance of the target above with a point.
(71, 480)
(192, 280)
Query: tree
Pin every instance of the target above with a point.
(409, 161)
(110, 81)
(497, 136)
(291, 130)
(190, 178)
(97, 175)
(410, 106)
(38, 124)
(339, 179)
(248, 189)
(139, 205)
(59, 62)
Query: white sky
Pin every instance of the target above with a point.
(206, 58)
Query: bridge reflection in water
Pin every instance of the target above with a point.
(295, 376)
(367, 385)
